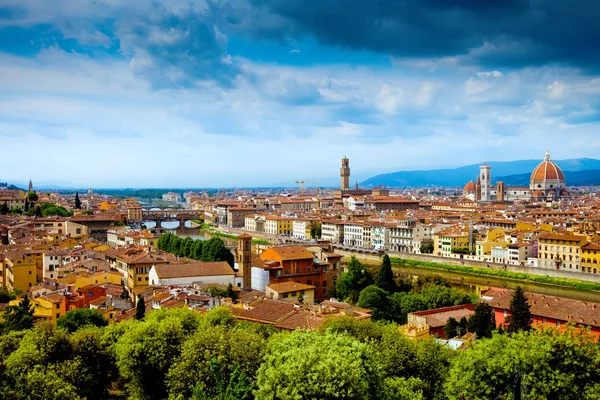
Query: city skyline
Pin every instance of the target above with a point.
(215, 94)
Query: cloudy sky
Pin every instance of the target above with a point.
(131, 93)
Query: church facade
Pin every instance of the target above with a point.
(547, 183)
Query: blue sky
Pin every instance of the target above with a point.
(107, 93)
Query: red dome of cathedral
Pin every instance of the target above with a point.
(547, 171)
(469, 187)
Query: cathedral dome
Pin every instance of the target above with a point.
(547, 171)
(469, 187)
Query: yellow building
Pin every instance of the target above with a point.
(82, 279)
(276, 225)
(49, 307)
(20, 270)
(448, 241)
(557, 251)
(590, 258)
(137, 267)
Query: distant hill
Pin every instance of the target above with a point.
(501, 170)
(573, 178)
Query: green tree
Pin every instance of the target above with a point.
(32, 196)
(350, 283)
(483, 322)
(520, 317)
(77, 201)
(362, 330)
(536, 364)
(140, 310)
(426, 248)
(213, 357)
(80, 317)
(26, 207)
(229, 292)
(376, 299)
(4, 209)
(6, 296)
(146, 351)
(238, 387)
(37, 211)
(19, 317)
(313, 365)
(315, 230)
(385, 276)
(450, 328)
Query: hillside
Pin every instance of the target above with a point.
(501, 170)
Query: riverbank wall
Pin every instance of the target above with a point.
(553, 273)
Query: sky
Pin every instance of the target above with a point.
(221, 93)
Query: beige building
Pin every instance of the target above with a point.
(557, 251)
(236, 216)
(291, 291)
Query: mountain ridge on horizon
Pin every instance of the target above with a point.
(459, 176)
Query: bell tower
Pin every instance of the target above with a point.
(345, 173)
(244, 260)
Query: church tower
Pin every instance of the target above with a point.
(486, 182)
(244, 260)
(345, 173)
(30, 186)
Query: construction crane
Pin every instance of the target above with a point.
(301, 183)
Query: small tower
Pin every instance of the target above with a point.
(30, 186)
(486, 182)
(244, 260)
(500, 192)
(345, 173)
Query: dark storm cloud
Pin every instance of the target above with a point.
(492, 32)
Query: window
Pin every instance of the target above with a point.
(293, 294)
(139, 278)
(544, 320)
(57, 306)
(57, 315)
(558, 324)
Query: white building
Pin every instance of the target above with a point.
(380, 236)
(186, 274)
(299, 228)
(354, 234)
(401, 236)
(333, 231)
(53, 260)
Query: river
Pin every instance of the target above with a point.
(474, 284)
(187, 231)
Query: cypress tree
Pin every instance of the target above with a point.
(450, 328)
(77, 201)
(520, 318)
(140, 309)
(385, 276)
(4, 209)
(26, 208)
(483, 322)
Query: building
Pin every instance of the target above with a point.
(244, 260)
(290, 264)
(345, 190)
(391, 203)
(436, 319)
(173, 197)
(547, 311)
(236, 216)
(590, 258)
(21, 269)
(186, 274)
(278, 225)
(557, 251)
(546, 183)
(333, 231)
(354, 233)
(291, 291)
(13, 199)
(134, 211)
(448, 241)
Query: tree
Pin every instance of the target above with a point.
(80, 317)
(230, 292)
(376, 299)
(26, 207)
(4, 209)
(520, 318)
(536, 364)
(315, 230)
(450, 328)
(385, 276)
(350, 283)
(77, 201)
(427, 248)
(313, 365)
(140, 310)
(483, 322)
(37, 211)
(19, 317)
(32, 196)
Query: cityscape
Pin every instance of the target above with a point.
(238, 200)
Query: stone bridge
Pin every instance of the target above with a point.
(159, 216)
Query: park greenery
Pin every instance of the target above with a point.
(181, 354)
(392, 299)
(210, 228)
(502, 274)
(213, 249)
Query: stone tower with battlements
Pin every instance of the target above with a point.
(345, 173)
(244, 260)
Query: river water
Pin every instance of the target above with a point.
(187, 231)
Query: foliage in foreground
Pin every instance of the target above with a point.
(182, 354)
